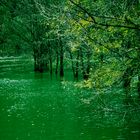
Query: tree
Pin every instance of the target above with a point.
(111, 26)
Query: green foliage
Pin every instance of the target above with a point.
(100, 38)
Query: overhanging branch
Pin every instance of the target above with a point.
(136, 27)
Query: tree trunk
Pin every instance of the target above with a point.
(38, 59)
(36, 66)
(57, 61)
(77, 65)
(50, 57)
(82, 64)
(61, 59)
(138, 86)
(127, 76)
(72, 64)
(88, 65)
(138, 62)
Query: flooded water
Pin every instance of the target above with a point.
(36, 106)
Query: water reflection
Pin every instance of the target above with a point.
(35, 106)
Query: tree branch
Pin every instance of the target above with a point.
(136, 27)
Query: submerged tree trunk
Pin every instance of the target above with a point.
(61, 59)
(138, 86)
(138, 61)
(84, 70)
(127, 76)
(57, 61)
(50, 57)
(88, 64)
(41, 57)
(40, 61)
(77, 65)
(72, 63)
(37, 60)
(138, 67)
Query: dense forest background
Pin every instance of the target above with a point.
(98, 40)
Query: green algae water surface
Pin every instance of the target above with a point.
(35, 106)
